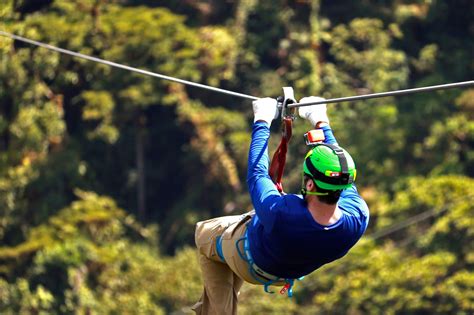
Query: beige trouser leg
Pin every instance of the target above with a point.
(232, 256)
(222, 280)
(221, 284)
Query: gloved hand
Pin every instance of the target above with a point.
(265, 109)
(313, 113)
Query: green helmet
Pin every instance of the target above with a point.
(331, 167)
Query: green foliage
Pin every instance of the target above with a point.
(83, 249)
(99, 106)
(452, 192)
(412, 277)
(12, 192)
(34, 128)
(18, 298)
(362, 49)
(448, 145)
(378, 286)
(74, 131)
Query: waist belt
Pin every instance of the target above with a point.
(247, 257)
(257, 271)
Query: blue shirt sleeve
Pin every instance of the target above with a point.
(350, 199)
(353, 203)
(328, 135)
(265, 197)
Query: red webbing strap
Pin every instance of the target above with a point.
(279, 157)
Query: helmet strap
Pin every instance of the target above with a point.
(305, 192)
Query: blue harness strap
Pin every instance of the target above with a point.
(256, 272)
(253, 269)
(219, 248)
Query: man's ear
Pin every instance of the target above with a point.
(310, 185)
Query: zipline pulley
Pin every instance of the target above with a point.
(277, 165)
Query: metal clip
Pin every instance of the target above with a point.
(283, 101)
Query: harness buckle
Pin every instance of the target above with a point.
(285, 288)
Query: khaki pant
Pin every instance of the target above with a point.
(222, 280)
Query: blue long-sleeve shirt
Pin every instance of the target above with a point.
(284, 238)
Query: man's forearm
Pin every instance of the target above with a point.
(321, 124)
(258, 155)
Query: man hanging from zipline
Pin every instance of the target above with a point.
(287, 236)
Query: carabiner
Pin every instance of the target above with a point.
(283, 102)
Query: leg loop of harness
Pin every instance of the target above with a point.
(248, 258)
(219, 248)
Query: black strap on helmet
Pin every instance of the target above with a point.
(343, 178)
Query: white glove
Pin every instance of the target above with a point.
(265, 109)
(313, 113)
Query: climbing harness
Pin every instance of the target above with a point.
(256, 272)
(219, 248)
(277, 165)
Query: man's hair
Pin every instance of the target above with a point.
(331, 198)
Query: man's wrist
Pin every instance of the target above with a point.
(262, 122)
(321, 124)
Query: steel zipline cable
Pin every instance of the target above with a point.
(386, 94)
(236, 94)
(117, 65)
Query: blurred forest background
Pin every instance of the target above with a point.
(103, 172)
